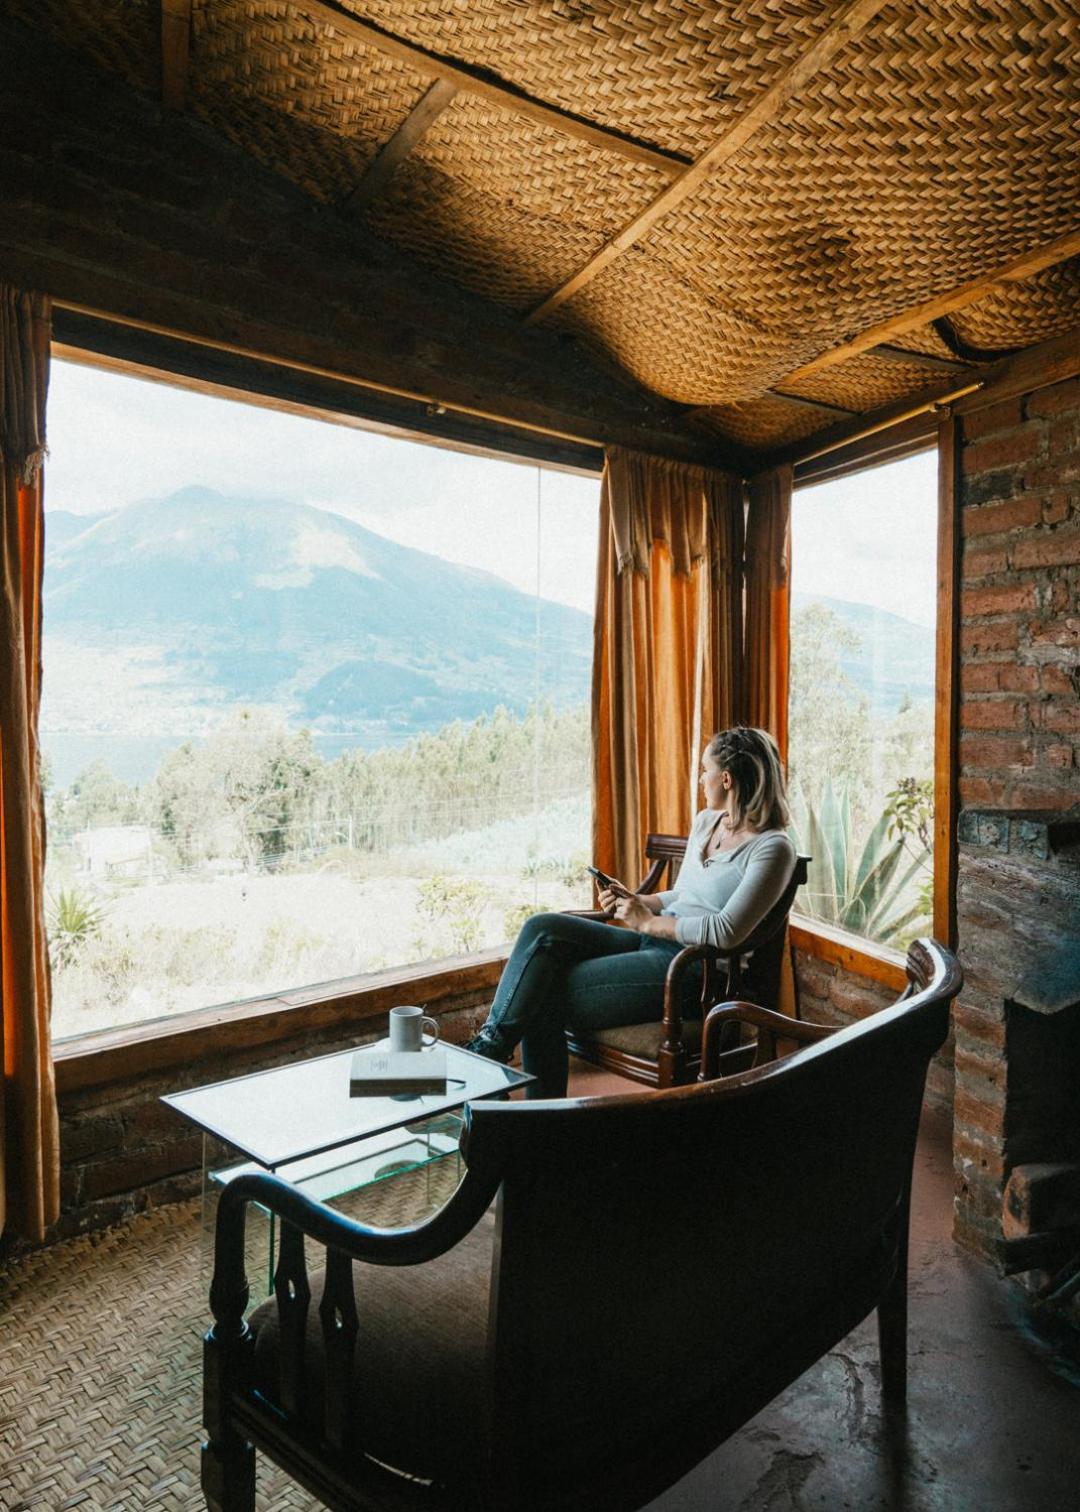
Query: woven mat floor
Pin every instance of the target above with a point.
(100, 1360)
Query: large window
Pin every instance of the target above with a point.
(862, 697)
(315, 700)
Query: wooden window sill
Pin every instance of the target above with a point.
(863, 957)
(112, 1055)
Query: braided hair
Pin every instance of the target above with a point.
(758, 795)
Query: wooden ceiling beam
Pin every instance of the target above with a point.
(1016, 271)
(804, 402)
(851, 21)
(917, 359)
(488, 87)
(175, 51)
(394, 152)
(708, 411)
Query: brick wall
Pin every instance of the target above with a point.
(1020, 620)
(1019, 745)
(831, 994)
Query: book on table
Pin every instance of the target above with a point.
(381, 1073)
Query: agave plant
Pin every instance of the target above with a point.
(74, 918)
(862, 888)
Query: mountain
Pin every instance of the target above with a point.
(199, 601)
(61, 526)
(895, 656)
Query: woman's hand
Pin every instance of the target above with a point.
(609, 899)
(633, 911)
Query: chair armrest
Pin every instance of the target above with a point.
(597, 915)
(680, 964)
(770, 1026)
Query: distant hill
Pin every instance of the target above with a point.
(61, 525)
(221, 601)
(895, 656)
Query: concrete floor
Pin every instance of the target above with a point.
(993, 1422)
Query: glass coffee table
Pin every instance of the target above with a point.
(299, 1122)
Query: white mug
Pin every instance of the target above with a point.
(407, 1027)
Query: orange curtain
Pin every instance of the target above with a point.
(768, 633)
(668, 645)
(29, 1142)
(768, 603)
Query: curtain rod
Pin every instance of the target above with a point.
(939, 402)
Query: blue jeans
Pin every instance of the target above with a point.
(567, 972)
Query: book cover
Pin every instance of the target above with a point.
(381, 1073)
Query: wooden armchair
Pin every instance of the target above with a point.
(536, 1356)
(668, 1052)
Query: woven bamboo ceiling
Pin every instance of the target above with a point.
(776, 213)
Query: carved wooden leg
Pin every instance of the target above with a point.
(228, 1460)
(228, 1475)
(892, 1328)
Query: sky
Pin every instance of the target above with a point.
(871, 538)
(114, 439)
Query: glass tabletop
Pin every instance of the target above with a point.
(304, 1108)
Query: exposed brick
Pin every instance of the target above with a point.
(1029, 795)
(995, 417)
(983, 1075)
(1055, 400)
(1048, 548)
(1057, 632)
(978, 1026)
(978, 1113)
(1061, 716)
(982, 677)
(1013, 678)
(993, 714)
(1058, 756)
(984, 639)
(983, 1201)
(985, 563)
(986, 1158)
(980, 790)
(1062, 594)
(1052, 474)
(1064, 434)
(999, 451)
(992, 751)
(991, 519)
(1060, 679)
(1057, 506)
(1006, 598)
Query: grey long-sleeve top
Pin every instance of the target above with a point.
(719, 901)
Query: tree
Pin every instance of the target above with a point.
(94, 799)
(831, 728)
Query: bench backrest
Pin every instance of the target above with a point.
(667, 1262)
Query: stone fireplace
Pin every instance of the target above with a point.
(1017, 1110)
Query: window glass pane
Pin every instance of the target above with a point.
(315, 700)
(862, 697)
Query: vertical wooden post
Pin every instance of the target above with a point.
(946, 680)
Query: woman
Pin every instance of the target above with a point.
(566, 971)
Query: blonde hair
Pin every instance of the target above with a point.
(758, 794)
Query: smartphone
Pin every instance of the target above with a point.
(608, 882)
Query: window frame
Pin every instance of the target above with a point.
(103, 1056)
(920, 433)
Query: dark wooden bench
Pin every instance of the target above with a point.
(656, 1267)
